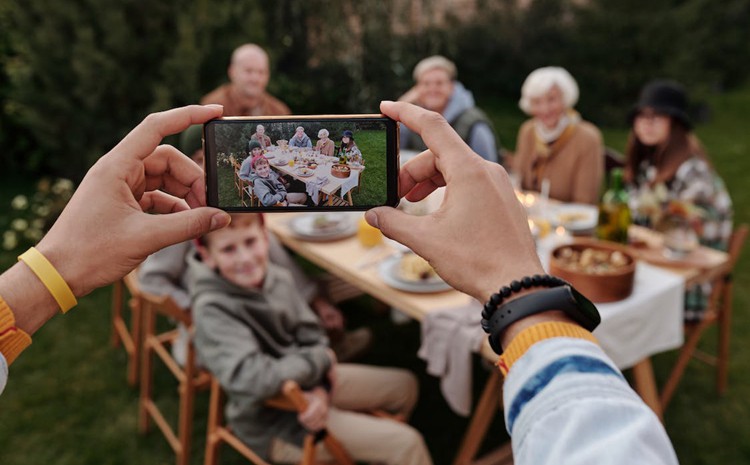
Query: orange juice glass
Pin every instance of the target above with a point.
(367, 235)
(291, 163)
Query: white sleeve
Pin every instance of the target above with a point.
(566, 402)
(3, 373)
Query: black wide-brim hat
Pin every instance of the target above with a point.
(665, 97)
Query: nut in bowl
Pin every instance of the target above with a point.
(602, 271)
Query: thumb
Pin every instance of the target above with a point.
(396, 224)
(188, 224)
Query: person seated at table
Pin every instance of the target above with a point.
(254, 331)
(260, 136)
(269, 187)
(349, 150)
(437, 88)
(300, 139)
(556, 144)
(324, 144)
(670, 176)
(254, 149)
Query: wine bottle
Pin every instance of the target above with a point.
(614, 211)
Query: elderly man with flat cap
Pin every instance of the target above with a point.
(245, 93)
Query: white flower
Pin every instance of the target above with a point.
(33, 234)
(19, 224)
(38, 224)
(62, 185)
(42, 210)
(19, 202)
(10, 240)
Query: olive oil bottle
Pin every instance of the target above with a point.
(614, 212)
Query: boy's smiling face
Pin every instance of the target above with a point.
(239, 252)
(262, 168)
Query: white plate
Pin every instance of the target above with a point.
(576, 216)
(303, 226)
(269, 155)
(389, 271)
(305, 172)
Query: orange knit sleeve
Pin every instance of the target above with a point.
(13, 340)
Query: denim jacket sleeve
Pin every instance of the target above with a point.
(566, 402)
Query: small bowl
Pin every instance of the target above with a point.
(600, 284)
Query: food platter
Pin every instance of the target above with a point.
(390, 272)
(575, 216)
(323, 226)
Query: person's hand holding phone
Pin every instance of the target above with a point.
(479, 239)
(108, 222)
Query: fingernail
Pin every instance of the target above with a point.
(372, 218)
(220, 220)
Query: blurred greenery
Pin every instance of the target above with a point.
(76, 75)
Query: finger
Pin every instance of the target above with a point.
(161, 202)
(184, 225)
(168, 169)
(435, 131)
(419, 178)
(144, 138)
(397, 225)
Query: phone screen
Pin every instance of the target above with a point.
(305, 163)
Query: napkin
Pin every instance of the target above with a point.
(313, 187)
(449, 337)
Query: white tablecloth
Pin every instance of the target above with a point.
(647, 322)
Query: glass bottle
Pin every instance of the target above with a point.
(614, 211)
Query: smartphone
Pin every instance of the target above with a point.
(301, 163)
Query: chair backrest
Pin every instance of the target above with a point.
(166, 306)
(290, 398)
(736, 243)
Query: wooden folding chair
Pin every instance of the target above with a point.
(129, 337)
(291, 399)
(190, 379)
(719, 312)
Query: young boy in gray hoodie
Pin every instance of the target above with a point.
(254, 331)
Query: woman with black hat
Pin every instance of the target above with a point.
(671, 178)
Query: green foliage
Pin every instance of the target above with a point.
(77, 75)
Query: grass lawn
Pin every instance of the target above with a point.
(67, 401)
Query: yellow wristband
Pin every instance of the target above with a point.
(51, 279)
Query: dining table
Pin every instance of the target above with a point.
(314, 170)
(647, 322)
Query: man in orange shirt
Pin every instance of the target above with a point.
(245, 94)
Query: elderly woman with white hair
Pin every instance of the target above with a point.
(326, 146)
(437, 89)
(556, 145)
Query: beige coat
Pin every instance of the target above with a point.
(575, 171)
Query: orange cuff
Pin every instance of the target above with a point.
(533, 334)
(13, 340)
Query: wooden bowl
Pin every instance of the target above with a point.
(340, 171)
(608, 280)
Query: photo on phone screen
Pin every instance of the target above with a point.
(305, 163)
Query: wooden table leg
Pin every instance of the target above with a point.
(485, 411)
(645, 385)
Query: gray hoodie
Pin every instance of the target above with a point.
(270, 190)
(481, 137)
(253, 340)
